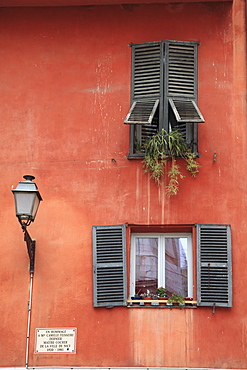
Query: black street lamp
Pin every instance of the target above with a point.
(27, 199)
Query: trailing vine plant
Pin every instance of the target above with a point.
(163, 146)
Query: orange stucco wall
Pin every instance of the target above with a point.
(64, 92)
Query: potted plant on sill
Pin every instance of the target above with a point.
(188, 301)
(147, 296)
(163, 146)
(161, 292)
(176, 300)
(136, 296)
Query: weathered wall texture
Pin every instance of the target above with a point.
(64, 92)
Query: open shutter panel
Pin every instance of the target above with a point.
(214, 275)
(109, 265)
(142, 112)
(185, 110)
(147, 82)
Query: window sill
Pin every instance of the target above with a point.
(153, 303)
(142, 155)
(136, 156)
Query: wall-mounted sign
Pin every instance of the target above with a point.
(55, 340)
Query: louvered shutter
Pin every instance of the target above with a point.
(185, 110)
(147, 82)
(109, 265)
(214, 272)
(142, 112)
(181, 110)
(181, 69)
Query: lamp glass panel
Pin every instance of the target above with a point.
(24, 203)
(35, 206)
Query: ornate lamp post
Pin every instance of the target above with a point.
(27, 199)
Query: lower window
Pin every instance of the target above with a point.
(162, 256)
(161, 260)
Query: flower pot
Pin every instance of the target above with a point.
(162, 299)
(187, 301)
(136, 298)
(147, 299)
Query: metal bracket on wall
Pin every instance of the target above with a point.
(31, 243)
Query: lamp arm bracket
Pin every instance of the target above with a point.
(31, 244)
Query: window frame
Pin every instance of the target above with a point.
(145, 88)
(110, 254)
(161, 258)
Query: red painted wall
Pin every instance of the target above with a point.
(18, 3)
(64, 92)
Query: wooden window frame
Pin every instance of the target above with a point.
(161, 258)
(173, 84)
(211, 249)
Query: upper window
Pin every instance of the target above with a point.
(163, 92)
(161, 260)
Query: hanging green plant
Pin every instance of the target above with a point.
(163, 146)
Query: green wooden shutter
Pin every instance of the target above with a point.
(146, 113)
(181, 69)
(147, 81)
(147, 70)
(109, 265)
(142, 112)
(181, 110)
(214, 268)
(185, 110)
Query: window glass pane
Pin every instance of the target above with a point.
(146, 278)
(176, 266)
